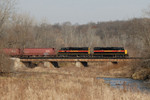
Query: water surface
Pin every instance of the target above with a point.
(127, 83)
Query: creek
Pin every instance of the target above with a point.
(127, 83)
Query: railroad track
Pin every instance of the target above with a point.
(80, 59)
(88, 57)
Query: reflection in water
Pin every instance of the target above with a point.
(127, 83)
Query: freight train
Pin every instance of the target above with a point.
(109, 52)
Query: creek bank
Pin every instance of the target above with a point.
(142, 74)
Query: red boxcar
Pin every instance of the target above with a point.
(39, 51)
(11, 52)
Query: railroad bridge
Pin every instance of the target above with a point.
(79, 60)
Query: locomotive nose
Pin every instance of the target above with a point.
(126, 52)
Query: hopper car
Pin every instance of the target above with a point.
(11, 52)
(30, 52)
(38, 52)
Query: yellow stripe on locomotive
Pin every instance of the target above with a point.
(89, 52)
(126, 52)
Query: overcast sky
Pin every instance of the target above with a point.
(82, 11)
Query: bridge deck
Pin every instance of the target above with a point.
(80, 59)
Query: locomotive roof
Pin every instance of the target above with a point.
(74, 48)
(108, 48)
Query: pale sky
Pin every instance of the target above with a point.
(82, 11)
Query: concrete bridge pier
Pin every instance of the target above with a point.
(81, 64)
(51, 64)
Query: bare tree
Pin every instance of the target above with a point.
(6, 8)
(20, 34)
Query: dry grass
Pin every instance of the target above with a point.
(6, 65)
(61, 87)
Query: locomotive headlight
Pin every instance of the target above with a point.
(126, 52)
